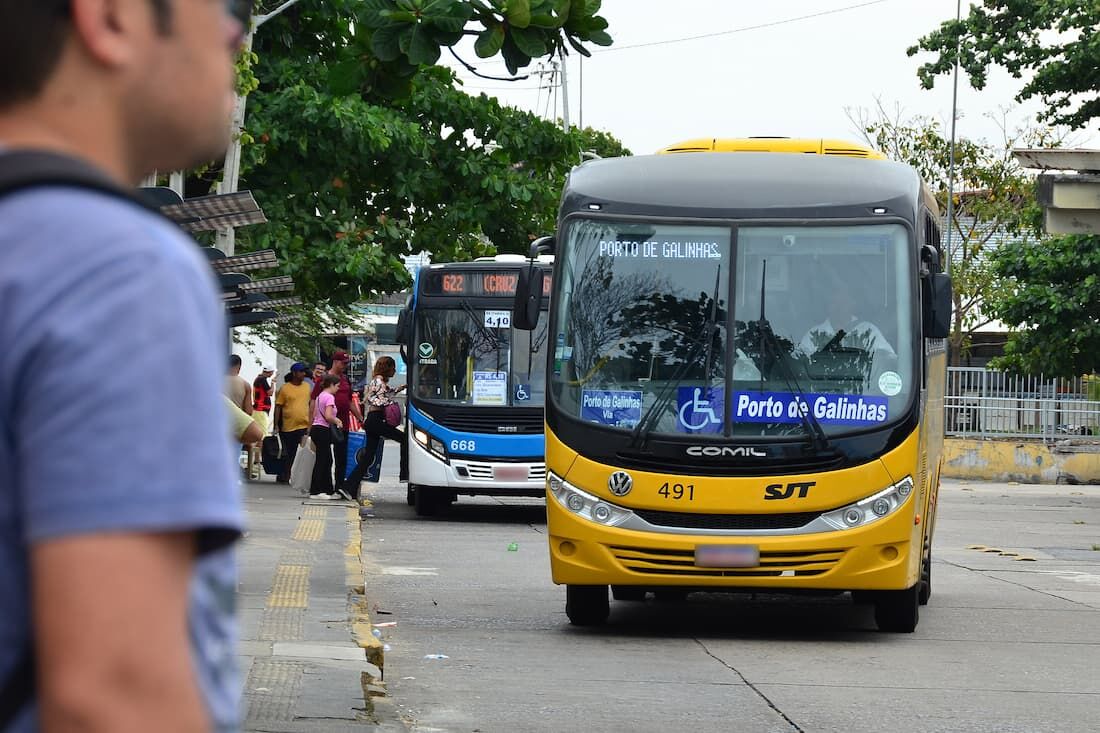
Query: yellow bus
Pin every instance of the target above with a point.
(745, 379)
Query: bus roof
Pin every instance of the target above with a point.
(497, 262)
(816, 146)
(758, 185)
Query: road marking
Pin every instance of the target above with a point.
(405, 570)
(1075, 576)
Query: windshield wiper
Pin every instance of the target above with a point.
(813, 428)
(652, 415)
(494, 340)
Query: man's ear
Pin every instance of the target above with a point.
(112, 32)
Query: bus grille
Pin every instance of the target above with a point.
(484, 471)
(685, 520)
(499, 421)
(799, 564)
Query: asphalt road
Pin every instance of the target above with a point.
(1004, 645)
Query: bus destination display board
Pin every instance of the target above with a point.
(474, 283)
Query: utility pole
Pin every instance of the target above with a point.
(951, 157)
(564, 91)
(580, 95)
(554, 84)
(231, 171)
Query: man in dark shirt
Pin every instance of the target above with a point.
(344, 408)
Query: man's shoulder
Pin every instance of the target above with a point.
(93, 226)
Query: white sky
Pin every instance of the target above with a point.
(794, 78)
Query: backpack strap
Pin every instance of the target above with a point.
(18, 688)
(20, 169)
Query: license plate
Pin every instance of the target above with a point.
(727, 556)
(510, 473)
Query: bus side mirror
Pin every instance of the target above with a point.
(403, 323)
(529, 287)
(937, 306)
(525, 310)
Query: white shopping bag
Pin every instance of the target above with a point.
(301, 473)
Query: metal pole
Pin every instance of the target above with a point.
(225, 240)
(555, 84)
(580, 94)
(951, 162)
(564, 92)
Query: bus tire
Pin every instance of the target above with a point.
(410, 494)
(424, 501)
(586, 605)
(925, 582)
(898, 611)
(627, 593)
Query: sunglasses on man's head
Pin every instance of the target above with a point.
(239, 9)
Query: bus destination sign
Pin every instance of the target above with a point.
(476, 283)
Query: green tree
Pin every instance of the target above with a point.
(994, 202)
(359, 159)
(1055, 42)
(1053, 299)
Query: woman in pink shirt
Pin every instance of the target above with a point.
(320, 431)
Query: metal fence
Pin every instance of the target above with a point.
(983, 403)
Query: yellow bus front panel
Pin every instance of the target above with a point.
(882, 554)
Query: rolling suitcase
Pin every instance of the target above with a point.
(271, 455)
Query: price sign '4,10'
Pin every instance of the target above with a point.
(498, 319)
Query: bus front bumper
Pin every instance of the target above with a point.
(468, 475)
(875, 557)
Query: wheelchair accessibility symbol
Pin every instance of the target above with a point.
(698, 415)
(523, 392)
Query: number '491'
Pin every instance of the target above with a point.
(676, 492)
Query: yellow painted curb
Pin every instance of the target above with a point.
(358, 607)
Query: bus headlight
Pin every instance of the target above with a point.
(583, 504)
(435, 445)
(871, 509)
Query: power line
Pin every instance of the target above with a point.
(741, 30)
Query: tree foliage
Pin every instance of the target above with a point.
(994, 202)
(389, 41)
(1055, 42)
(351, 179)
(1054, 300)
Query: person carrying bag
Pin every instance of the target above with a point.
(382, 418)
(326, 426)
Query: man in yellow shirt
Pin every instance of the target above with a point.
(292, 416)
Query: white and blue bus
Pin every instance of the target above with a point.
(476, 385)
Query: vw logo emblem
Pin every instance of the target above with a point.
(620, 483)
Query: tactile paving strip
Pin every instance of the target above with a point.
(272, 690)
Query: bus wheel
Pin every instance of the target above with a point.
(627, 593)
(586, 605)
(424, 501)
(898, 610)
(925, 583)
(410, 494)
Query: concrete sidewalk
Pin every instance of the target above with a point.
(308, 659)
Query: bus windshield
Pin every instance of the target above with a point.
(472, 356)
(705, 330)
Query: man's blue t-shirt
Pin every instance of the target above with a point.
(112, 351)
